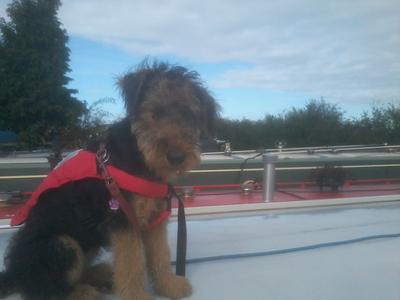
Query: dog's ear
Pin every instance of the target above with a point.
(132, 86)
(209, 112)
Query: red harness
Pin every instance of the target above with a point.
(83, 165)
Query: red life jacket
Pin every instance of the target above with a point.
(83, 165)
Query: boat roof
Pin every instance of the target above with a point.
(304, 244)
(341, 252)
(320, 153)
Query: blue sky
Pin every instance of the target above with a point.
(259, 57)
(94, 77)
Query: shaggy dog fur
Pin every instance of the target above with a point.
(50, 256)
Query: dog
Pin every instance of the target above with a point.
(51, 256)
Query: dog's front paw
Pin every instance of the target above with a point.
(173, 287)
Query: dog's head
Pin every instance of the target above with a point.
(169, 110)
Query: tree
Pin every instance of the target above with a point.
(92, 125)
(380, 125)
(319, 123)
(34, 60)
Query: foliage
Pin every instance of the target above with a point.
(34, 99)
(318, 123)
(92, 125)
(381, 125)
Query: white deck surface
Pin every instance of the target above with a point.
(365, 270)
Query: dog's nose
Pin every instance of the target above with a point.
(175, 158)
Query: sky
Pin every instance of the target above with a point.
(256, 57)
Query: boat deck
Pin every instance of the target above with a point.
(342, 253)
(231, 194)
(224, 198)
(212, 199)
(305, 244)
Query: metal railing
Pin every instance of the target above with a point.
(316, 149)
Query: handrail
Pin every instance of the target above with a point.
(319, 149)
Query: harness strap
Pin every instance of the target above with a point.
(113, 188)
(116, 194)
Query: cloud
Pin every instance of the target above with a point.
(3, 7)
(340, 49)
(347, 50)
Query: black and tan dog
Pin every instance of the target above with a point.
(168, 110)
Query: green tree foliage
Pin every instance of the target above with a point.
(317, 124)
(381, 125)
(34, 58)
(93, 124)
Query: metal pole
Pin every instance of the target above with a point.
(269, 176)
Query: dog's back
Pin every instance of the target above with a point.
(65, 224)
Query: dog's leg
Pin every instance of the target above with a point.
(52, 269)
(84, 292)
(74, 275)
(128, 265)
(159, 265)
(99, 276)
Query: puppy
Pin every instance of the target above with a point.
(73, 214)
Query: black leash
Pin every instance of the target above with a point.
(181, 244)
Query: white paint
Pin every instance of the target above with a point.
(366, 270)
